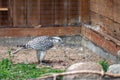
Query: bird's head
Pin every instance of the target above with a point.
(57, 40)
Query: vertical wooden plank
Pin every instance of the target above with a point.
(73, 18)
(0, 19)
(19, 13)
(33, 12)
(60, 12)
(84, 11)
(4, 14)
(10, 12)
(0, 3)
(66, 12)
(4, 3)
(4, 19)
(0, 13)
(47, 12)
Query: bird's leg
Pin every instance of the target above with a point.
(40, 56)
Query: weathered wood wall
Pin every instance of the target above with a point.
(30, 13)
(106, 15)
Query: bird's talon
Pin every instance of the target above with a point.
(41, 65)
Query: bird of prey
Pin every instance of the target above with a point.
(41, 45)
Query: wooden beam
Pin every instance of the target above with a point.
(110, 38)
(3, 9)
(19, 32)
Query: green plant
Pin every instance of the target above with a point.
(9, 52)
(104, 65)
(10, 71)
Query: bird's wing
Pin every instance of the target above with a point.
(40, 43)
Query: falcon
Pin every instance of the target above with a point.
(41, 45)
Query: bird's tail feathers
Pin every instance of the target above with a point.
(18, 50)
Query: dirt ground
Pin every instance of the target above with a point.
(59, 57)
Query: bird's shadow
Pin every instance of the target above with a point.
(51, 62)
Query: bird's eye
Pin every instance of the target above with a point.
(59, 40)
